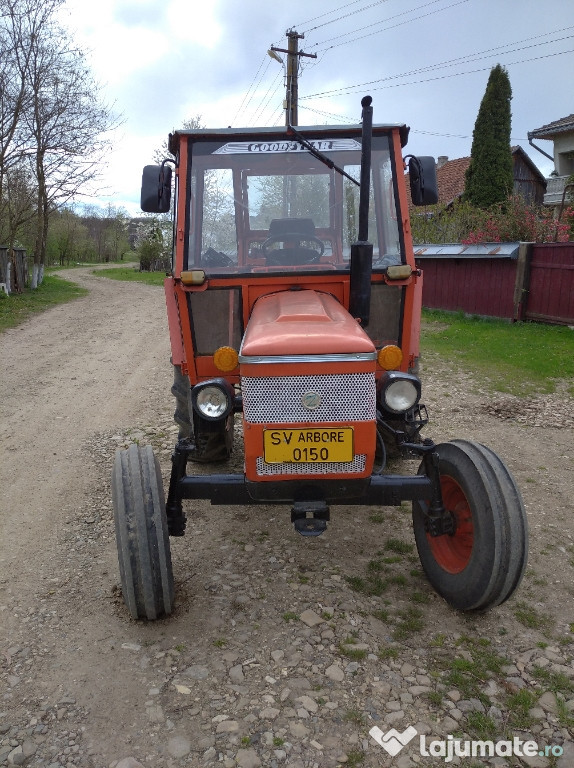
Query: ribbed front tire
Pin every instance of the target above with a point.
(142, 539)
(482, 563)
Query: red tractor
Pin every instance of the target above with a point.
(294, 301)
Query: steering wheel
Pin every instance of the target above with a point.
(292, 256)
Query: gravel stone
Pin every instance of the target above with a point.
(310, 618)
(248, 758)
(334, 672)
(197, 672)
(85, 685)
(178, 746)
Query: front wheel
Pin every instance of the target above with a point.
(481, 564)
(141, 533)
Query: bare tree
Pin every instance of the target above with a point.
(52, 119)
(19, 194)
(21, 23)
(161, 153)
(68, 125)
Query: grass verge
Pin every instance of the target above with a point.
(17, 307)
(518, 358)
(131, 274)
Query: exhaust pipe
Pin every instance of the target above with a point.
(361, 265)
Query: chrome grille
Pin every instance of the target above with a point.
(277, 399)
(290, 468)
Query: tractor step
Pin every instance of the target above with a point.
(310, 517)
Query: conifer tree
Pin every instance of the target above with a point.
(489, 177)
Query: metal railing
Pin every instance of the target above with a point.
(555, 189)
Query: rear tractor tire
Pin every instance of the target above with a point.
(482, 563)
(141, 533)
(181, 390)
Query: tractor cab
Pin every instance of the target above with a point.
(261, 204)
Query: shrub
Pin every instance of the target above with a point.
(516, 220)
(512, 221)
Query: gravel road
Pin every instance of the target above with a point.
(282, 651)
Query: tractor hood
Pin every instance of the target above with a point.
(303, 323)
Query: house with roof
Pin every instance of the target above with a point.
(529, 182)
(561, 133)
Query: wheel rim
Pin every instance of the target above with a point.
(452, 552)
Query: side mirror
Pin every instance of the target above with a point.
(424, 185)
(156, 189)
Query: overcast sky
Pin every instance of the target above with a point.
(425, 63)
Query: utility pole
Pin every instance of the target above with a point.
(292, 87)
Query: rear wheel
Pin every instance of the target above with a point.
(141, 533)
(482, 563)
(181, 391)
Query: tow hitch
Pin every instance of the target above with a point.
(310, 517)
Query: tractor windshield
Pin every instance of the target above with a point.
(260, 206)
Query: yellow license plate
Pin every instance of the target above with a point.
(308, 445)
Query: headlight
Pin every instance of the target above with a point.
(213, 400)
(399, 392)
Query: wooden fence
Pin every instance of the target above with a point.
(13, 271)
(516, 281)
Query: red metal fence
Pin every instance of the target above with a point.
(550, 284)
(517, 281)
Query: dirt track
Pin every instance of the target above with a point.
(83, 685)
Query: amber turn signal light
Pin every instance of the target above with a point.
(225, 359)
(390, 357)
(399, 272)
(193, 277)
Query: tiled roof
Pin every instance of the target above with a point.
(563, 125)
(451, 178)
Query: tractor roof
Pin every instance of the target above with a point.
(316, 131)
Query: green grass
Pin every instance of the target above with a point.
(131, 274)
(481, 726)
(17, 307)
(373, 585)
(354, 758)
(386, 654)
(557, 682)
(469, 675)
(398, 546)
(410, 620)
(519, 705)
(530, 617)
(518, 358)
(356, 654)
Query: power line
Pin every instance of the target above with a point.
(344, 118)
(454, 135)
(251, 86)
(264, 103)
(471, 71)
(378, 23)
(270, 115)
(335, 10)
(477, 56)
(346, 15)
(394, 26)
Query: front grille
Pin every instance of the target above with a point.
(277, 399)
(290, 468)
